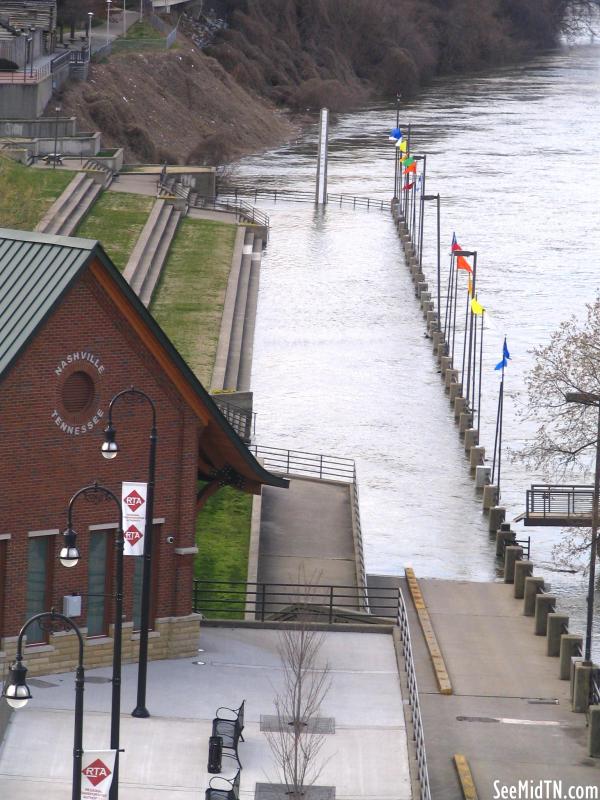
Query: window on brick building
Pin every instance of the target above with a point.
(39, 581)
(99, 582)
(3, 550)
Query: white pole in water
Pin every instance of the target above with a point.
(124, 18)
(321, 192)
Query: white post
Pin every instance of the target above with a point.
(321, 192)
(141, 10)
(124, 17)
(90, 15)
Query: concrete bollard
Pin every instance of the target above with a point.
(471, 440)
(580, 699)
(424, 297)
(490, 495)
(497, 517)
(460, 405)
(477, 458)
(432, 322)
(503, 538)
(437, 337)
(544, 605)
(594, 731)
(450, 378)
(512, 554)
(465, 420)
(532, 586)
(455, 391)
(445, 363)
(570, 644)
(523, 570)
(556, 624)
(422, 286)
(427, 306)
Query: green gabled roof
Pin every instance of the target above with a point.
(36, 269)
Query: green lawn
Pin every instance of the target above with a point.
(223, 538)
(142, 30)
(27, 193)
(116, 220)
(188, 303)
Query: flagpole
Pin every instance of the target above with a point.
(422, 210)
(480, 372)
(455, 311)
(405, 191)
(464, 356)
(397, 149)
(448, 310)
(474, 324)
(497, 428)
(500, 430)
(473, 288)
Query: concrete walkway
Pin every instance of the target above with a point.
(509, 714)
(166, 755)
(307, 529)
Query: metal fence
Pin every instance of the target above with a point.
(235, 206)
(26, 75)
(242, 420)
(595, 687)
(572, 503)
(413, 700)
(296, 462)
(297, 196)
(60, 61)
(524, 543)
(263, 601)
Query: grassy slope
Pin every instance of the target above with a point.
(189, 302)
(27, 193)
(188, 305)
(116, 220)
(222, 536)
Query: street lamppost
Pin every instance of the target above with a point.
(108, 5)
(56, 112)
(589, 399)
(69, 557)
(90, 17)
(110, 448)
(124, 17)
(436, 197)
(17, 692)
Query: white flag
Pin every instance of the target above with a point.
(96, 774)
(133, 501)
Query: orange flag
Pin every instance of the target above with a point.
(462, 263)
(411, 168)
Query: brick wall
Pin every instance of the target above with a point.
(48, 452)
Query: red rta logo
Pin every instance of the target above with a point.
(96, 772)
(134, 500)
(133, 535)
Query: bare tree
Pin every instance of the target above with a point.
(305, 684)
(565, 439)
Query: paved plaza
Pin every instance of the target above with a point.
(166, 755)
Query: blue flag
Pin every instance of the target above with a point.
(395, 134)
(505, 357)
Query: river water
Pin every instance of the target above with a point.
(341, 364)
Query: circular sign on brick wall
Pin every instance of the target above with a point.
(77, 410)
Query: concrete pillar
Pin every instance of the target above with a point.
(581, 688)
(556, 624)
(512, 554)
(431, 320)
(544, 605)
(465, 420)
(445, 363)
(594, 731)
(523, 570)
(455, 391)
(471, 439)
(503, 538)
(477, 458)
(532, 585)
(497, 517)
(422, 286)
(437, 337)
(490, 494)
(570, 644)
(450, 378)
(460, 405)
(427, 306)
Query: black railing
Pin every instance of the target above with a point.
(242, 420)
(595, 687)
(263, 601)
(524, 543)
(60, 61)
(572, 503)
(298, 196)
(80, 57)
(296, 462)
(233, 205)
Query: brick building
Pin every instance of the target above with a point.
(73, 334)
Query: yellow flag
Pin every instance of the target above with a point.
(476, 307)
(403, 146)
(470, 286)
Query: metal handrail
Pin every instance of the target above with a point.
(565, 500)
(242, 420)
(232, 204)
(59, 61)
(413, 699)
(297, 462)
(595, 687)
(524, 543)
(265, 599)
(299, 196)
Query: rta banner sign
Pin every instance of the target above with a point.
(133, 499)
(97, 772)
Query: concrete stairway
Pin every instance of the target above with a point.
(150, 252)
(247, 345)
(65, 214)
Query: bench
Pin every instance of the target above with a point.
(230, 728)
(53, 158)
(231, 792)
